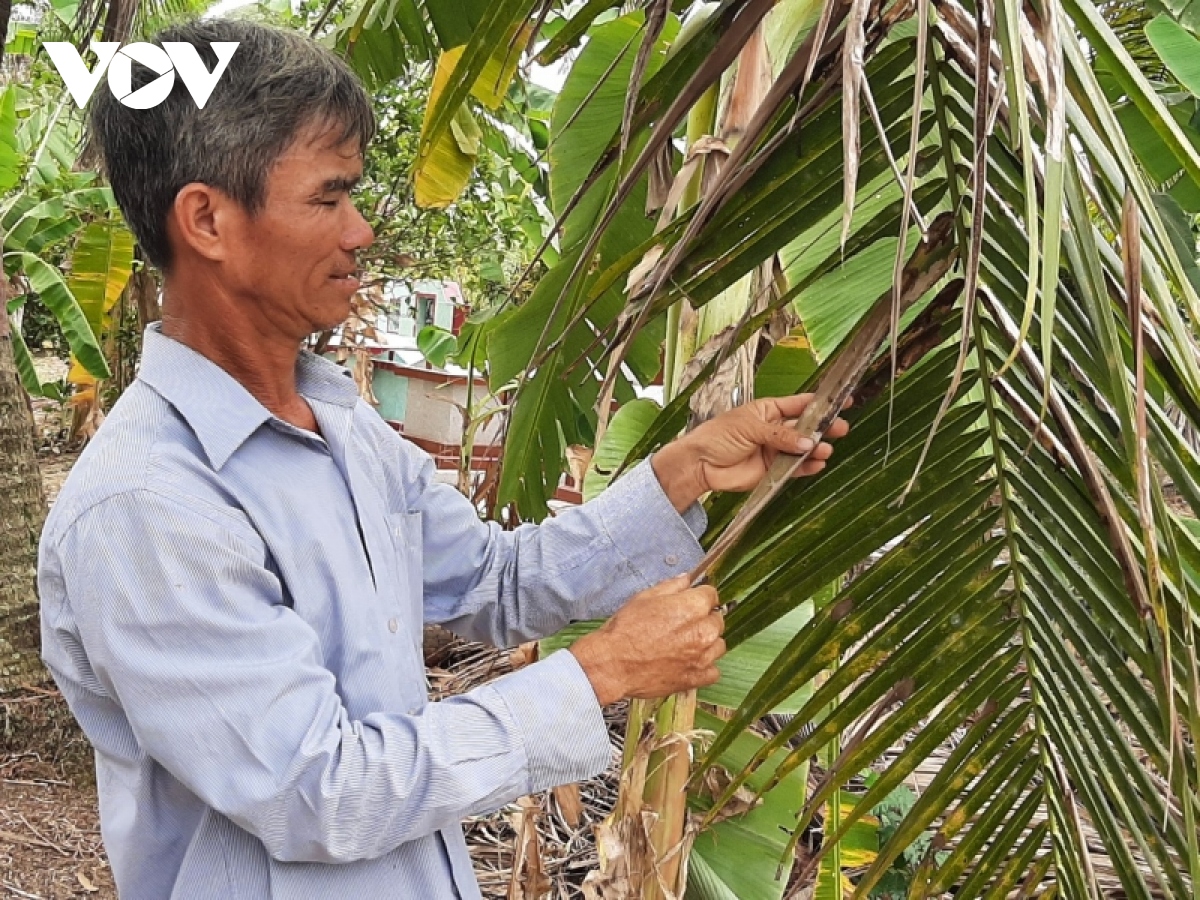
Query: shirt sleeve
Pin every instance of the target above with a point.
(223, 685)
(506, 587)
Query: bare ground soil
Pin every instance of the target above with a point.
(49, 829)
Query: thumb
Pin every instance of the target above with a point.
(784, 438)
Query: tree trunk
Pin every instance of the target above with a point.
(118, 23)
(22, 511)
(5, 15)
(143, 287)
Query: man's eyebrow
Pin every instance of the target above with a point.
(340, 183)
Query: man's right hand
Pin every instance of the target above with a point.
(664, 640)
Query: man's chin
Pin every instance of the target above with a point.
(332, 314)
(329, 325)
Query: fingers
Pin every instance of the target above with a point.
(711, 644)
(818, 454)
(821, 452)
(783, 438)
(715, 651)
(704, 598)
(670, 586)
(790, 407)
(706, 671)
(711, 625)
(710, 628)
(815, 462)
(839, 429)
(665, 640)
(690, 602)
(785, 407)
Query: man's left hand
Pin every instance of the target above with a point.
(733, 451)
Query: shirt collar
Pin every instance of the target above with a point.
(221, 412)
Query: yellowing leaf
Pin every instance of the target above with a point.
(859, 847)
(442, 174)
(78, 375)
(100, 267)
(492, 83)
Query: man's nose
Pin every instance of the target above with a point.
(359, 235)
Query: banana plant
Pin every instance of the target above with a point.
(63, 239)
(102, 261)
(478, 102)
(45, 205)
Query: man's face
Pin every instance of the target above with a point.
(295, 258)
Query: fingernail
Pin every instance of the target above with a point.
(804, 444)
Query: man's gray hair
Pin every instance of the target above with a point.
(277, 83)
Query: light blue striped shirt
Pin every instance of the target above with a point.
(232, 607)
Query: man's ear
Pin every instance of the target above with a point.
(206, 220)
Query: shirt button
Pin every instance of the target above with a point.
(393, 625)
(671, 559)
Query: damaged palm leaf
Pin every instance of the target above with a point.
(707, 338)
(1012, 517)
(837, 381)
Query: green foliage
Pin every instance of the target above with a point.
(78, 21)
(628, 426)
(1185, 12)
(10, 159)
(739, 858)
(436, 345)
(1178, 49)
(890, 811)
(563, 390)
(481, 240)
(41, 216)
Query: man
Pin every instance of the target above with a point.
(235, 576)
